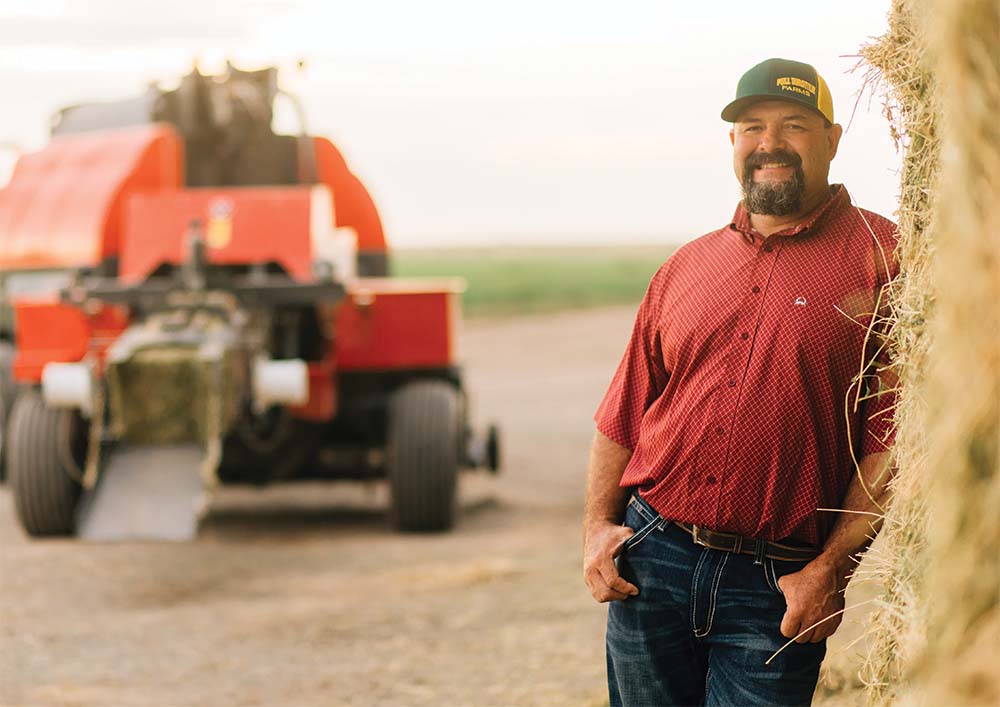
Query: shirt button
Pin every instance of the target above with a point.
(720, 430)
(744, 336)
(755, 289)
(768, 248)
(710, 480)
(732, 383)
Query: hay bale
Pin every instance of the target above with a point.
(898, 564)
(935, 634)
(959, 664)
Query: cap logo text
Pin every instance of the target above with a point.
(796, 85)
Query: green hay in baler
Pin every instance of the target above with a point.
(164, 395)
(935, 634)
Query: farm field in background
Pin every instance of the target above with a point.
(509, 280)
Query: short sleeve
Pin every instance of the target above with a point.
(640, 377)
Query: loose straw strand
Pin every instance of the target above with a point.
(821, 621)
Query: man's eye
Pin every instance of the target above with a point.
(752, 129)
(795, 126)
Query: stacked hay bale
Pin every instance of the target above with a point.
(936, 633)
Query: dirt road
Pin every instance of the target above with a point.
(302, 596)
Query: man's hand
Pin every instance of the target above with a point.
(812, 594)
(603, 542)
(817, 591)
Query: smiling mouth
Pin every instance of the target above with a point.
(770, 171)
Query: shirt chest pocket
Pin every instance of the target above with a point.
(824, 330)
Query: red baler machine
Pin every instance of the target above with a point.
(199, 300)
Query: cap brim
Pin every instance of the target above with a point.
(732, 111)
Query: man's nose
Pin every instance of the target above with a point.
(771, 139)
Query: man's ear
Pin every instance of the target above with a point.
(833, 135)
(732, 136)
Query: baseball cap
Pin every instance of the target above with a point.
(782, 80)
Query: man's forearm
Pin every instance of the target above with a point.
(605, 498)
(860, 516)
(603, 532)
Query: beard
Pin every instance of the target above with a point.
(773, 198)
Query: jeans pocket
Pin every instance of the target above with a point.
(642, 526)
(776, 569)
(771, 576)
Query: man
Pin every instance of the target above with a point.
(727, 440)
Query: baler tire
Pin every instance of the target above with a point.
(45, 495)
(422, 455)
(8, 393)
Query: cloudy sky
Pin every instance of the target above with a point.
(524, 121)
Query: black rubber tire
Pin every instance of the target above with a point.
(8, 393)
(422, 455)
(45, 495)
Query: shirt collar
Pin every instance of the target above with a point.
(839, 198)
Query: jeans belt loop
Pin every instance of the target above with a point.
(760, 551)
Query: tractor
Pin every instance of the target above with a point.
(191, 299)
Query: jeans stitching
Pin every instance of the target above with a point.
(774, 576)
(642, 509)
(640, 535)
(694, 591)
(713, 595)
(767, 574)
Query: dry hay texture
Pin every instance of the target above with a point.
(166, 395)
(936, 632)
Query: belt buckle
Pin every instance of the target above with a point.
(696, 536)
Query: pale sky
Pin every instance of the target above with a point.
(481, 123)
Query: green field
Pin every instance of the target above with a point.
(541, 279)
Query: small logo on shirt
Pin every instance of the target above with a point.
(800, 301)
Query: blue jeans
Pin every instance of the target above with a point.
(702, 626)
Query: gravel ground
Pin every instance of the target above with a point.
(300, 595)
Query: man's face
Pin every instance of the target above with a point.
(781, 156)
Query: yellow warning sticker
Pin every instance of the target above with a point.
(220, 224)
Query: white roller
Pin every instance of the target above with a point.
(280, 383)
(68, 385)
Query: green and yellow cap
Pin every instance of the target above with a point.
(782, 80)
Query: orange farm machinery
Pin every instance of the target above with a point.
(191, 299)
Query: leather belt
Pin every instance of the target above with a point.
(742, 545)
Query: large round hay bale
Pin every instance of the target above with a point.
(935, 636)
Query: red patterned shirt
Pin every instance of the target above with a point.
(739, 392)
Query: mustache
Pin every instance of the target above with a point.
(761, 158)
